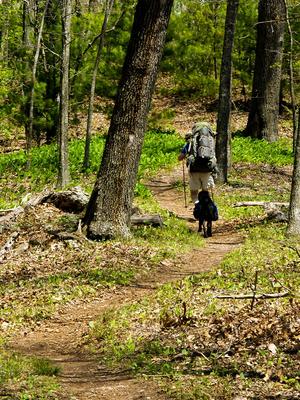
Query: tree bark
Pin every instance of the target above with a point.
(294, 211)
(263, 116)
(33, 79)
(109, 209)
(52, 61)
(291, 75)
(215, 7)
(63, 173)
(108, 9)
(223, 130)
(26, 39)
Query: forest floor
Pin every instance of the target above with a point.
(61, 338)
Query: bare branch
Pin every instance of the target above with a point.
(91, 44)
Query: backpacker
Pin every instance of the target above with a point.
(201, 152)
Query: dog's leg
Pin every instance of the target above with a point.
(200, 226)
(204, 230)
(209, 228)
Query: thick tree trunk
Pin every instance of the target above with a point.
(108, 9)
(63, 174)
(109, 209)
(294, 211)
(223, 136)
(264, 109)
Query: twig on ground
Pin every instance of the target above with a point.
(250, 296)
(254, 289)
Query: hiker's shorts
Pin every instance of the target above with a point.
(201, 180)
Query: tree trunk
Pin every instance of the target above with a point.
(291, 75)
(294, 211)
(108, 9)
(224, 137)
(50, 40)
(264, 109)
(109, 210)
(92, 5)
(63, 174)
(33, 79)
(26, 39)
(215, 7)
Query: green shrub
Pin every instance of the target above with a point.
(245, 149)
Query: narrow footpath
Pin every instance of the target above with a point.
(60, 339)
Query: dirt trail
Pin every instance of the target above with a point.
(60, 339)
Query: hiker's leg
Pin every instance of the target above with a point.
(194, 195)
(194, 185)
(206, 180)
(211, 185)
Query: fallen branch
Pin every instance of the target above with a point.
(265, 204)
(13, 213)
(272, 208)
(8, 210)
(250, 296)
(73, 200)
(254, 290)
(148, 219)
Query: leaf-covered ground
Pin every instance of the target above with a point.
(106, 319)
(62, 298)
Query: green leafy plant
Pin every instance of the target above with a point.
(28, 378)
(255, 151)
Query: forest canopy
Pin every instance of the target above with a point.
(190, 65)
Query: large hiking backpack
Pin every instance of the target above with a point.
(201, 152)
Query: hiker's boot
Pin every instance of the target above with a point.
(209, 229)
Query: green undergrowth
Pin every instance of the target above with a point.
(174, 237)
(258, 174)
(33, 286)
(192, 341)
(36, 299)
(246, 149)
(159, 151)
(27, 378)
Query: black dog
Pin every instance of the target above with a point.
(205, 211)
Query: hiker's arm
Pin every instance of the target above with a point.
(183, 153)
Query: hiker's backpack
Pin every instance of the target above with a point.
(206, 210)
(201, 151)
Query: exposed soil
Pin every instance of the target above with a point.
(61, 338)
